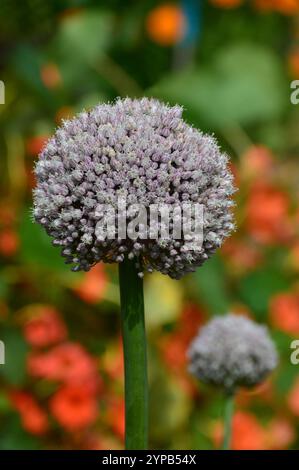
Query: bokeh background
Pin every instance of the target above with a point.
(230, 64)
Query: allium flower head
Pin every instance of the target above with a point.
(232, 351)
(143, 151)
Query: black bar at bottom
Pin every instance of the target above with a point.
(136, 459)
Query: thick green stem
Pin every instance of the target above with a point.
(134, 344)
(228, 417)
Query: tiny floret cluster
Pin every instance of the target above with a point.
(232, 351)
(143, 151)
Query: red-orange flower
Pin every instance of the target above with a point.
(116, 416)
(93, 285)
(166, 24)
(174, 346)
(281, 433)
(262, 392)
(247, 433)
(284, 312)
(33, 418)
(9, 242)
(267, 214)
(34, 145)
(287, 7)
(242, 256)
(74, 407)
(50, 75)
(45, 327)
(68, 363)
(256, 162)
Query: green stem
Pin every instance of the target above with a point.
(228, 417)
(134, 344)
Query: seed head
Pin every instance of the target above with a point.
(143, 151)
(232, 351)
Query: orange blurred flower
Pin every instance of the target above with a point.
(93, 285)
(50, 75)
(101, 442)
(166, 24)
(45, 327)
(256, 162)
(9, 242)
(280, 433)
(247, 433)
(262, 392)
(34, 145)
(174, 345)
(293, 63)
(33, 418)
(287, 7)
(73, 407)
(191, 318)
(241, 255)
(284, 312)
(174, 350)
(226, 3)
(68, 363)
(116, 416)
(267, 214)
(293, 398)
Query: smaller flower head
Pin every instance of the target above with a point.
(232, 351)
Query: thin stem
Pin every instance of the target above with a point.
(228, 417)
(134, 344)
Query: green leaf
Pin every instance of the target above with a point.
(243, 84)
(5, 405)
(257, 288)
(3, 287)
(212, 287)
(36, 247)
(14, 437)
(27, 61)
(285, 379)
(14, 369)
(84, 37)
(283, 344)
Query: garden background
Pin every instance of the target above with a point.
(230, 64)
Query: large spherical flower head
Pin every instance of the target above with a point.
(232, 351)
(143, 151)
